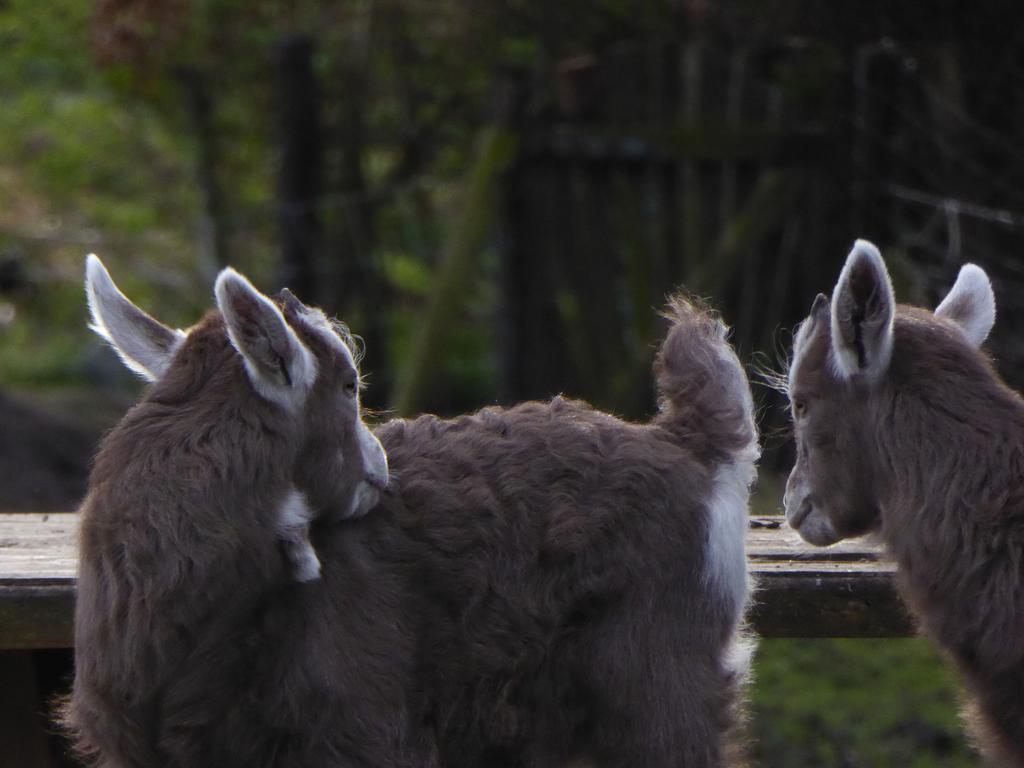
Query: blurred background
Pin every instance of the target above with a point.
(497, 196)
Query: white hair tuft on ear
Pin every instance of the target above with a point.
(970, 304)
(145, 345)
(863, 308)
(280, 367)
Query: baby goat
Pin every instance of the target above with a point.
(189, 633)
(540, 586)
(904, 428)
(581, 581)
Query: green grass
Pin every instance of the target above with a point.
(844, 703)
(855, 704)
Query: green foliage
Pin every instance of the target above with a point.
(855, 704)
(72, 141)
(43, 43)
(32, 353)
(406, 273)
(97, 140)
(496, 150)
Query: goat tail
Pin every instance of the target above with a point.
(703, 392)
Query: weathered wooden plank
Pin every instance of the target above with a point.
(36, 615)
(812, 604)
(37, 549)
(845, 590)
(769, 538)
(841, 591)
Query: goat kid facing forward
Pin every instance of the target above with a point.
(903, 428)
(539, 585)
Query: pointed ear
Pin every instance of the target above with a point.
(819, 311)
(970, 304)
(862, 314)
(821, 306)
(279, 365)
(145, 345)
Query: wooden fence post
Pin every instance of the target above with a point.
(213, 235)
(300, 166)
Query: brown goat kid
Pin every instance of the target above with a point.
(189, 649)
(539, 586)
(904, 428)
(582, 580)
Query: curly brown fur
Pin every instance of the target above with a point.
(560, 557)
(539, 585)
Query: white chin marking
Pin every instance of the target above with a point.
(293, 520)
(364, 499)
(375, 460)
(304, 561)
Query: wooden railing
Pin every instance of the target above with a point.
(843, 591)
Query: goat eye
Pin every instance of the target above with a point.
(800, 408)
(350, 388)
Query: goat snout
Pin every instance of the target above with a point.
(811, 523)
(797, 518)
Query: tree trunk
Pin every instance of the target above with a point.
(300, 145)
(213, 232)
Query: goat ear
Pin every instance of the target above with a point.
(820, 307)
(279, 365)
(970, 304)
(862, 314)
(807, 329)
(145, 345)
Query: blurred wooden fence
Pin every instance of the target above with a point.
(664, 165)
(741, 174)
